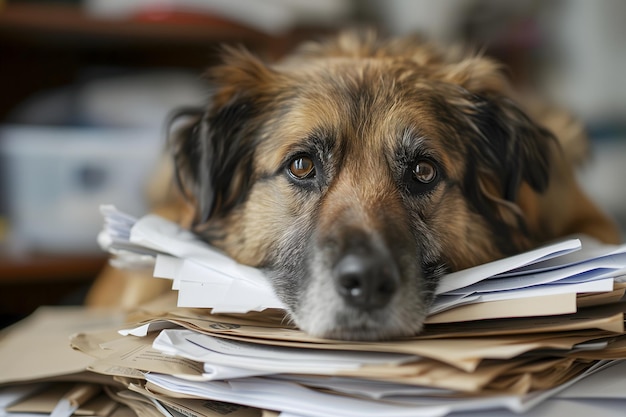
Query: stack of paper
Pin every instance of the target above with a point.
(132, 371)
(535, 324)
(252, 360)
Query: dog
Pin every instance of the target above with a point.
(358, 170)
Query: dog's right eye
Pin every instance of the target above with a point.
(302, 167)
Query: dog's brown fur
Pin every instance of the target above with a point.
(366, 111)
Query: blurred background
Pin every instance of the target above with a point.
(85, 87)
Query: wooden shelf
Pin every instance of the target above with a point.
(47, 23)
(43, 268)
(29, 281)
(46, 46)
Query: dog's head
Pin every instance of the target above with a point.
(357, 172)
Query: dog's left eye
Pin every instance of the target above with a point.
(425, 171)
(421, 176)
(302, 167)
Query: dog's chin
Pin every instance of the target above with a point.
(354, 325)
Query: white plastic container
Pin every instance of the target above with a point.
(54, 180)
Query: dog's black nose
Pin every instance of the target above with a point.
(366, 280)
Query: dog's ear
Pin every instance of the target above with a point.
(509, 146)
(506, 149)
(213, 151)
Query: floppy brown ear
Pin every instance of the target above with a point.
(519, 175)
(213, 151)
(507, 149)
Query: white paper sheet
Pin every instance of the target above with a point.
(267, 359)
(206, 277)
(590, 249)
(376, 390)
(478, 273)
(582, 272)
(160, 234)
